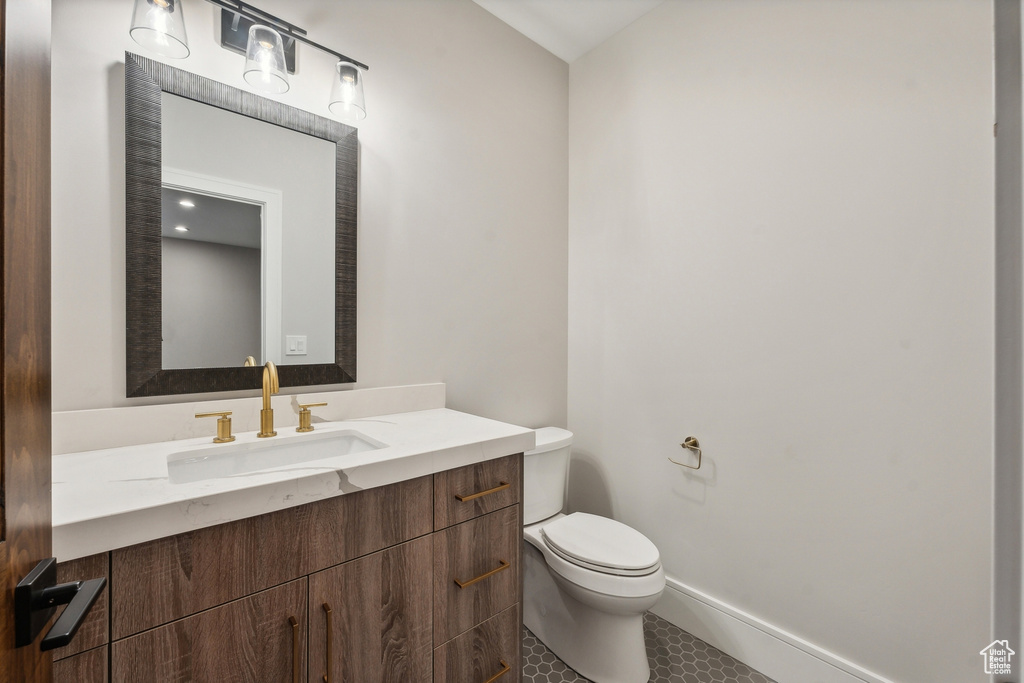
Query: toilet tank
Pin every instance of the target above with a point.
(545, 470)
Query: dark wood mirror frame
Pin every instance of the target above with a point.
(145, 81)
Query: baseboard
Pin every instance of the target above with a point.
(770, 650)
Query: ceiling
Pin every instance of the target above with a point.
(220, 220)
(568, 28)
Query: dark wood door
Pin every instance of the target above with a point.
(259, 638)
(25, 528)
(378, 627)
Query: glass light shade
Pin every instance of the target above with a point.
(158, 25)
(347, 93)
(265, 68)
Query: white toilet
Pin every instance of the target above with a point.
(587, 580)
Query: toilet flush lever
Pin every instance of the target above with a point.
(690, 443)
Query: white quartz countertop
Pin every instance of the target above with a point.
(117, 497)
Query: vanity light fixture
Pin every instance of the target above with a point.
(158, 25)
(181, 228)
(187, 203)
(265, 68)
(347, 93)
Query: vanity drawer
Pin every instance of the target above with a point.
(483, 556)
(170, 578)
(483, 653)
(259, 638)
(468, 492)
(94, 630)
(86, 667)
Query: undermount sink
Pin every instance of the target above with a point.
(242, 457)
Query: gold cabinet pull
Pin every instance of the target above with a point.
(330, 636)
(480, 494)
(503, 565)
(295, 648)
(505, 669)
(690, 443)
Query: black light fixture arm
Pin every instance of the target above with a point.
(281, 26)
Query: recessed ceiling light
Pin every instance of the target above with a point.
(181, 228)
(187, 203)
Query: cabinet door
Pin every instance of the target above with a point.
(370, 619)
(259, 638)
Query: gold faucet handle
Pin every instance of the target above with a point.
(306, 417)
(224, 434)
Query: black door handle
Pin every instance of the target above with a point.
(37, 596)
(85, 594)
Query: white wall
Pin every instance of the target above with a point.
(781, 242)
(462, 204)
(211, 303)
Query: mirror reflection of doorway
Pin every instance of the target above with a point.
(211, 279)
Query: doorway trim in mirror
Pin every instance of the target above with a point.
(145, 81)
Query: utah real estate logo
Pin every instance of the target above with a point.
(997, 657)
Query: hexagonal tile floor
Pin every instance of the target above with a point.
(675, 657)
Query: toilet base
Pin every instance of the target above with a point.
(600, 637)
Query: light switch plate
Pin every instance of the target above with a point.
(295, 345)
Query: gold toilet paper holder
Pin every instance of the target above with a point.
(690, 443)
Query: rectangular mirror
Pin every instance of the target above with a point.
(241, 237)
(247, 240)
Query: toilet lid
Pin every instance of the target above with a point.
(601, 543)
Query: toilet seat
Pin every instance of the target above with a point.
(625, 586)
(601, 544)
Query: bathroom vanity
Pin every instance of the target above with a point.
(383, 548)
(413, 579)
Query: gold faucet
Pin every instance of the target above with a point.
(270, 386)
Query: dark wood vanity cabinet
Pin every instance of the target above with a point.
(487, 652)
(476, 572)
(258, 638)
(468, 492)
(478, 587)
(86, 667)
(369, 619)
(85, 659)
(415, 581)
(170, 578)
